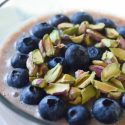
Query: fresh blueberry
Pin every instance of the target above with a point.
(95, 53)
(77, 115)
(57, 19)
(18, 78)
(79, 17)
(76, 57)
(106, 110)
(32, 95)
(27, 44)
(39, 30)
(52, 63)
(108, 22)
(121, 31)
(52, 108)
(18, 60)
(122, 101)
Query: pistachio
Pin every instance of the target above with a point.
(88, 93)
(74, 95)
(83, 26)
(71, 31)
(121, 42)
(48, 46)
(111, 33)
(87, 81)
(121, 78)
(99, 63)
(41, 83)
(77, 39)
(114, 95)
(110, 71)
(119, 53)
(66, 78)
(98, 26)
(78, 73)
(53, 74)
(37, 57)
(55, 37)
(98, 69)
(99, 45)
(41, 48)
(109, 42)
(106, 87)
(57, 88)
(64, 26)
(88, 40)
(95, 35)
(123, 68)
(32, 68)
(82, 78)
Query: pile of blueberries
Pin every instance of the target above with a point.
(73, 57)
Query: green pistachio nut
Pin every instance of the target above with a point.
(57, 88)
(110, 71)
(88, 40)
(53, 74)
(55, 37)
(48, 46)
(98, 26)
(41, 83)
(83, 26)
(114, 95)
(99, 63)
(111, 33)
(64, 26)
(88, 93)
(88, 80)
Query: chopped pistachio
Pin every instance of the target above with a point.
(87, 81)
(41, 48)
(95, 35)
(48, 46)
(88, 40)
(77, 39)
(57, 88)
(41, 83)
(121, 42)
(76, 101)
(55, 37)
(107, 55)
(78, 73)
(98, 26)
(123, 68)
(111, 33)
(83, 26)
(71, 31)
(66, 78)
(109, 43)
(37, 57)
(99, 62)
(98, 69)
(65, 25)
(53, 74)
(106, 87)
(88, 93)
(110, 71)
(114, 95)
(119, 53)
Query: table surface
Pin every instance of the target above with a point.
(17, 11)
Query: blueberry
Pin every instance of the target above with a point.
(27, 44)
(57, 19)
(32, 95)
(77, 115)
(121, 31)
(76, 57)
(108, 22)
(106, 110)
(18, 78)
(18, 60)
(52, 108)
(79, 17)
(52, 63)
(122, 101)
(95, 53)
(39, 30)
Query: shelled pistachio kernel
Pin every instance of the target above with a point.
(39, 82)
(83, 26)
(98, 26)
(65, 25)
(110, 71)
(53, 74)
(37, 57)
(99, 63)
(48, 46)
